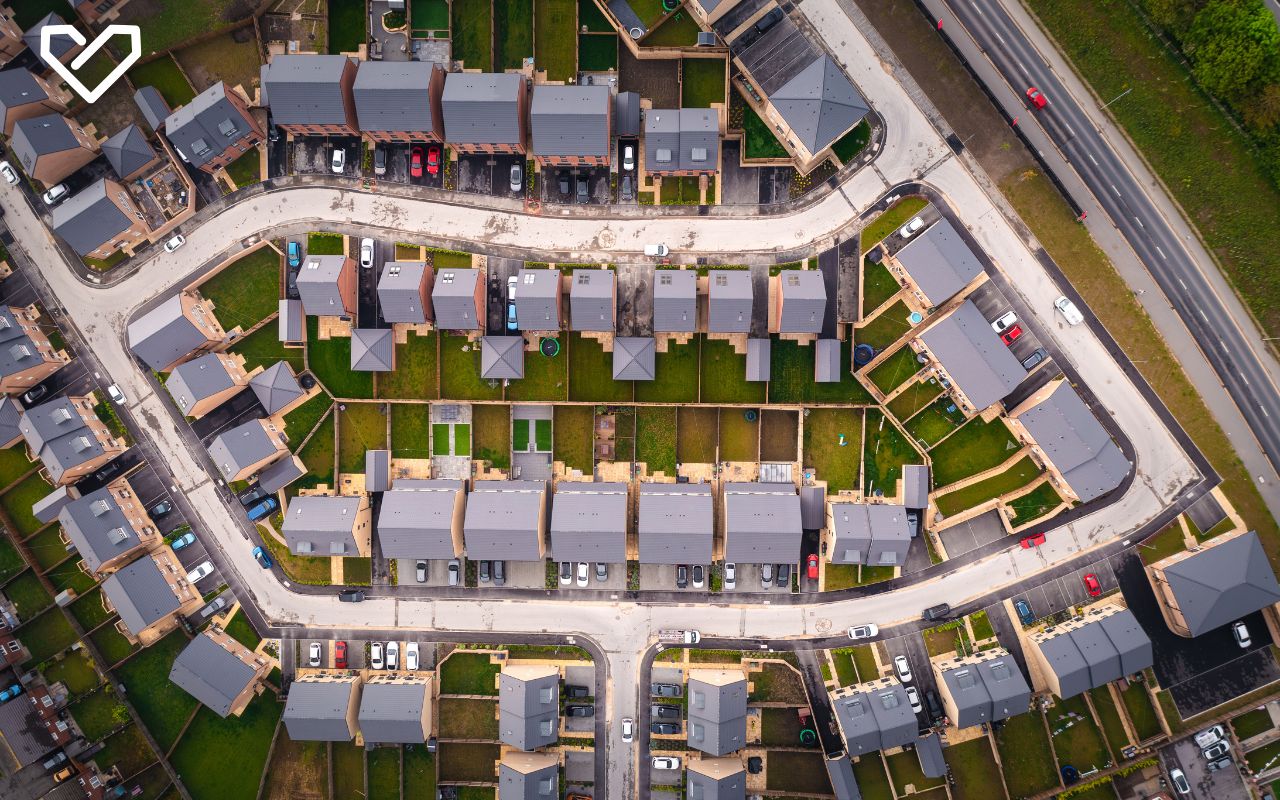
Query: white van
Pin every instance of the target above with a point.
(1069, 311)
(656, 250)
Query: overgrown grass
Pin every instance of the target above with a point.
(656, 439)
(696, 435)
(675, 376)
(975, 447)
(739, 436)
(164, 75)
(1028, 763)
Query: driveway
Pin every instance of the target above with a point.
(1223, 784)
(979, 531)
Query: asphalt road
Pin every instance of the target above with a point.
(1131, 209)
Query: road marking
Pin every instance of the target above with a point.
(1162, 255)
(1000, 38)
(1094, 160)
(977, 8)
(1225, 349)
(1073, 133)
(1202, 316)
(1181, 281)
(1114, 189)
(1264, 412)
(1246, 380)
(1140, 225)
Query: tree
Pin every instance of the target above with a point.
(1263, 111)
(1234, 47)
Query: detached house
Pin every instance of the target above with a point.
(68, 438)
(457, 299)
(1227, 578)
(51, 147)
(538, 300)
(149, 595)
(404, 292)
(167, 334)
(108, 526)
(311, 94)
(202, 384)
(219, 671)
(129, 153)
(99, 220)
(682, 141)
(571, 125)
(318, 525)
(27, 356)
(61, 46)
(399, 101)
(214, 129)
(486, 112)
(592, 299)
(247, 448)
(24, 94)
(11, 44)
(800, 298)
(327, 286)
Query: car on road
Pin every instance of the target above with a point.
(766, 575)
(699, 576)
(315, 653)
(666, 690)
(55, 195)
(35, 394)
(263, 509)
(628, 158)
(393, 655)
(174, 242)
(366, 253)
(420, 571)
(1241, 632)
(293, 252)
(913, 697)
(579, 711)
(866, 631)
(1004, 321)
(339, 161)
(455, 567)
(660, 250)
(1024, 611)
(1179, 782)
(1092, 586)
(903, 668)
(1068, 310)
(252, 495)
(339, 655)
(185, 540)
(1210, 736)
(260, 555)
(1035, 359)
(576, 692)
(415, 162)
(811, 567)
(730, 575)
(202, 571)
(160, 509)
(682, 576)
(116, 395)
(517, 178)
(411, 655)
(665, 762)
(350, 596)
(664, 728)
(912, 227)
(628, 729)
(1215, 751)
(375, 656)
(1010, 336)
(379, 161)
(10, 176)
(433, 160)
(566, 573)
(935, 613)
(1036, 97)
(664, 711)
(1034, 540)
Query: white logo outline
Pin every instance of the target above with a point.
(135, 52)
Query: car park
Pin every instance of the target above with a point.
(1241, 633)
(699, 574)
(366, 253)
(260, 555)
(665, 762)
(911, 228)
(903, 668)
(1011, 335)
(455, 567)
(339, 655)
(1034, 540)
(315, 652)
(1035, 359)
(584, 574)
(34, 395)
(1036, 97)
(351, 596)
(1068, 310)
(10, 176)
(252, 495)
(433, 160)
(393, 655)
(1004, 321)
(664, 711)
(339, 161)
(293, 251)
(375, 656)
(160, 509)
(1179, 781)
(682, 576)
(664, 728)
(185, 540)
(1023, 609)
(730, 575)
(566, 573)
(415, 162)
(411, 655)
(262, 509)
(812, 567)
(1216, 750)
(866, 631)
(55, 195)
(420, 571)
(202, 571)
(579, 711)
(913, 697)
(1092, 586)
(666, 690)
(628, 729)
(1210, 736)
(517, 178)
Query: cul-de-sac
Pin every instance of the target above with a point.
(639, 399)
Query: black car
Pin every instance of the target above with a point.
(251, 495)
(664, 727)
(784, 576)
(682, 576)
(563, 179)
(484, 571)
(1029, 363)
(666, 689)
(160, 509)
(351, 595)
(660, 711)
(937, 613)
(579, 711)
(584, 194)
(933, 704)
(34, 395)
(576, 692)
(108, 472)
(755, 765)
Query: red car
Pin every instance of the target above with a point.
(1034, 540)
(1092, 586)
(415, 162)
(1011, 335)
(433, 159)
(339, 655)
(1038, 100)
(813, 567)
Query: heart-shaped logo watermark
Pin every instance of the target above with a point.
(90, 95)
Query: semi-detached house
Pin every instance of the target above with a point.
(99, 220)
(682, 141)
(24, 94)
(214, 129)
(400, 101)
(51, 147)
(311, 94)
(571, 125)
(486, 112)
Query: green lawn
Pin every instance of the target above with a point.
(88, 610)
(47, 548)
(99, 713)
(468, 673)
(656, 439)
(247, 291)
(678, 30)
(791, 377)
(28, 595)
(128, 751)
(361, 427)
(975, 447)
(330, 361)
(591, 373)
(1109, 717)
(419, 773)
(695, 435)
(472, 35)
(262, 348)
(779, 727)
(544, 379)
(17, 503)
(724, 375)
(11, 562)
(974, 768)
(592, 18)
(444, 259)
(1252, 723)
(47, 635)
(885, 328)
(680, 190)
(597, 52)
(247, 169)
(676, 376)
(1035, 504)
(492, 431)
(468, 719)
(68, 575)
(1015, 477)
(758, 139)
(554, 37)
(1141, 713)
(739, 436)
(913, 398)
(317, 457)
(895, 370)
(163, 706)
(1264, 757)
(1081, 744)
(429, 15)
(299, 422)
(574, 437)
(357, 571)
(890, 220)
(1163, 544)
(886, 451)
(111, 644)
(513, 30)
(76, 671)
(240, 629)
(164, 75)
(13, 464)
(797, 771)
(701, 82)
(878, 285)
(409, 430)
(348, 771)
(462, 439)
(325, 244)
(848, 389)
(930, 426)
(832, 461)
(440, 439)
(414, 377)
(300, 569)
(848, 147)
(460, 371)
(346, 26)
(384, 773)
(213, 743)
(872, 778)
(468, 762)
(904, 770)
(1024, 751)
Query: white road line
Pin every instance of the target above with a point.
(1073, 133)
(1023, 67)
(977, 8)
(1202, 316)
(1094, 160)
(1114, 189)
(1181, 281)
(999, 38)
(1243, 378)
(1162, 255)
(1140, 225)
(1264, 412)
(1225, 349)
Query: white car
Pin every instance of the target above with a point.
(10, 175)
(117, 396)
(339, 162)
(864, 631)
(375, 655)
(421, 570)
(666, 762)
(1241, 632)
(628, 158)
(656, 250)
(628, 729)
(366, 253)
(411, 655)
(1003, 322)
(393, 655)
(1215, 751)
(455, 566)
(316, 651)
(511, 288)
(1179, 782)
(913, 697)
(201, 572)
(1210, 736)
(176, 241)
(566, 573)
(730, 575)
(584, 572)
(911, 228)
(517, 178)
(55, 195)
(903, 667)
(1069, 311)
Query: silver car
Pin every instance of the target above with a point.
(517, 178)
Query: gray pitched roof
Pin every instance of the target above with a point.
(502, 357)
(626, 114)
(819, 104)
(716, 779)
(10, 413)
(879, 718)
(759, 359)
(973, 355)
(528, 706)
(1130, 641)
(372, 350)
(1067, 663)
(317, 709)
(306, 90)
(1223, 583)
(18, 87)
(453, 299)
(204, 128)
(988, 690)
(804, 301)
(152, 105)
(915, 486)
(400, 287)
(41, 136)
(415, 519)
(319, 525)
(675, 525)
(164, 334)
(394, 96)
(591, 299)
(47, 508)
(59, 45)
(538, 299)
(502, 518)
(589, 522)
(88, 219)
(762, 523)
(194, 380)
(246, 444)
(318, 285)
(140, 594)
(98, 527)
(633, 358)
(291, 321)
(1077, 444)
(939, 262)
(570, 120)
(56, 433)
(209, 673)
(876, 534)
(482, 108)
(717, 721)
(128, 150)
(1099, 651)
(826, 361)
(393, 712)
(539, 779)
(973, 704)
(276, 387)
(681, 139)
(675, 301)
(377, 470)
(929, 753)
(18, 352)
(729, 300)
(275, 477)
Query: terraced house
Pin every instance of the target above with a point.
(214, 129)
(571, 125)
(108, 527)
(311, 95)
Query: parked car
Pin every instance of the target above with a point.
(628, 158)
(1034, 540)
(185, 540)
(420, 570)
(379, 161)
(214, 607)
(1010, 336)
(1092, 586)
(116, 395)
(415, 162)
(627, 189)
(766, 575)
(499, 573)
(55, 195)
(455, 567)
(1215, 751)
(784, 576)
(339, 161)
(562, 181)
(263, 509)
(375, 656)
(10, 176)
(699, 575)
(484, 571)
(811, 566)
(579, 711)
(1068, 310)
(393, 655)
(517, 178)
(174, 242)
(511, 316)
(664, 711)
(584, 574)
(864, 631)
(1024, 611)
(666, 690)
(602, 572)
(202, 571)
(1034, 360)
(108, 472)
(351, 596)
(628, 729)
(260, 555)
(682, 576)
(1179, 782)
(1221, 763)
(665, 762)
(583, 189)
(366, 253)
(160, 509)
(62, 775)
(664, 728)
(411, 655)
(911, 228)
(1036, 97)
(433, 160)
(730, 575)
(316, 652)
(935, 613)
(903, 668)
(576, 692)
(339, 655)
(252, 495)
(913, 697)
(293, 252)
(34, 395)
(1004, 321)
(935, 705)
(566, 573)
(1241, 632)
(1209, 736)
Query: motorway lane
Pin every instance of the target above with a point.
(1135, 216)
